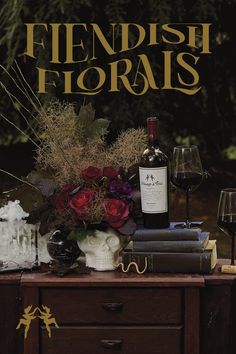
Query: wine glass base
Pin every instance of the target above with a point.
(190, 225)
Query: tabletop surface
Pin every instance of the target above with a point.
(119, 279)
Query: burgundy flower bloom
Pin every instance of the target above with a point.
(91, 174)
(116, 212)
(122, 188)
(110, 172)
(81, 203)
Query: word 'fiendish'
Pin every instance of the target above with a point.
(78, 43)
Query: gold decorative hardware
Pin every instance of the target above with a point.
(138, 271)
(47, 319)
(26, 319)
(28, 316)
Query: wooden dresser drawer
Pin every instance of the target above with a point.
(114, 306)
(123, 340)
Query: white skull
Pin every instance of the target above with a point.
(101, 249)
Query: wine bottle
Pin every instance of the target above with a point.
(154, 184)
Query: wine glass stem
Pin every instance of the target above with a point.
(36, 249)
(188, 224)
(232, 250)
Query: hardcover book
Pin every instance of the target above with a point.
(170, 234)
(166, 262)
(173, 246)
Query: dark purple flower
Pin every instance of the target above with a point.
(122, 188)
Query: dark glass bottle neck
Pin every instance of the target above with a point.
(152, 132)
(153, 142)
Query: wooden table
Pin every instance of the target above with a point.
(107, 312)
(10, 340)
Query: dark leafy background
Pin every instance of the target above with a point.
(207, 118)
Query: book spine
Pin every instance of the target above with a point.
(170, 262)
(169, 246)
(167, 235)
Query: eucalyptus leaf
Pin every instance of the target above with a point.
(78, 234)
(30, 199)
(86, 113)
(128, 228)
(88, 127)
(98, 128)
(85, 118)
(34, 177)
(47, 187)
(43, 181)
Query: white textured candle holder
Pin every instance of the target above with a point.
(21, 245)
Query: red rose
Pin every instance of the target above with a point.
(91, 174)
(116, 212)
(110, 172)
(62, 197)
(81, 203)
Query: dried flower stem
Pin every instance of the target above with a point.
(11, 96)
(19, 179)
(22, 91)
(21, 131)
(18, 101)
(27, 85)
(37, 109)
(21, 86)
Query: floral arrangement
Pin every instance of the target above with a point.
(79, 180)
(103, 197)
(94, 182)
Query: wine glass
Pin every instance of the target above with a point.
(186, 174)
(226, 216)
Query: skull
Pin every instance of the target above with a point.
(101, 249)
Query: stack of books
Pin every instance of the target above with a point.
(172, 250)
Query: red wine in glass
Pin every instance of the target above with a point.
(186, 174)
(187, 180)
(226, 216)
(227, 223)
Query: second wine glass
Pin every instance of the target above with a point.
(226, 216)
(186, 174)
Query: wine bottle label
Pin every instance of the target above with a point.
(153, 187)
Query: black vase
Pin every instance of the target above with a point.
(62, 250)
